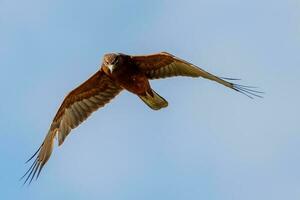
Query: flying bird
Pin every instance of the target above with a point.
(118, 72)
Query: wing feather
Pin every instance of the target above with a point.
(94, 93)
(163, 65)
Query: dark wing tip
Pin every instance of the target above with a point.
(230, 79)
(246, 90)
(35, 168)
(34, 154)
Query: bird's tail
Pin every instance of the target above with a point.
(154, 100)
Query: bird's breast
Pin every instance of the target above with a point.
(129, 79)
(135, 83)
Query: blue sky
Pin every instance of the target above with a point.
(210, 143)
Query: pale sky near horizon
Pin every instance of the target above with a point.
(210, 143)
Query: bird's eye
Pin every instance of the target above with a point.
(116, 60)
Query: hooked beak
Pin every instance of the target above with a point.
(111, 68)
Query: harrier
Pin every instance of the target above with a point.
(118, 72)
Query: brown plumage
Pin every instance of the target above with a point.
(118, 72)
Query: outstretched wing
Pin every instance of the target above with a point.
(94, 93)
(163, 65)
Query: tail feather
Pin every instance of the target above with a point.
(154, 101)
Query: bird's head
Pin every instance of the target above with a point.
(111, 61)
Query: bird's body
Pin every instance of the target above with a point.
(128, 76)
(118, 72)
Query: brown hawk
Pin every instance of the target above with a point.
(118, 72)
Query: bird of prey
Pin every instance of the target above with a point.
(118, 72)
